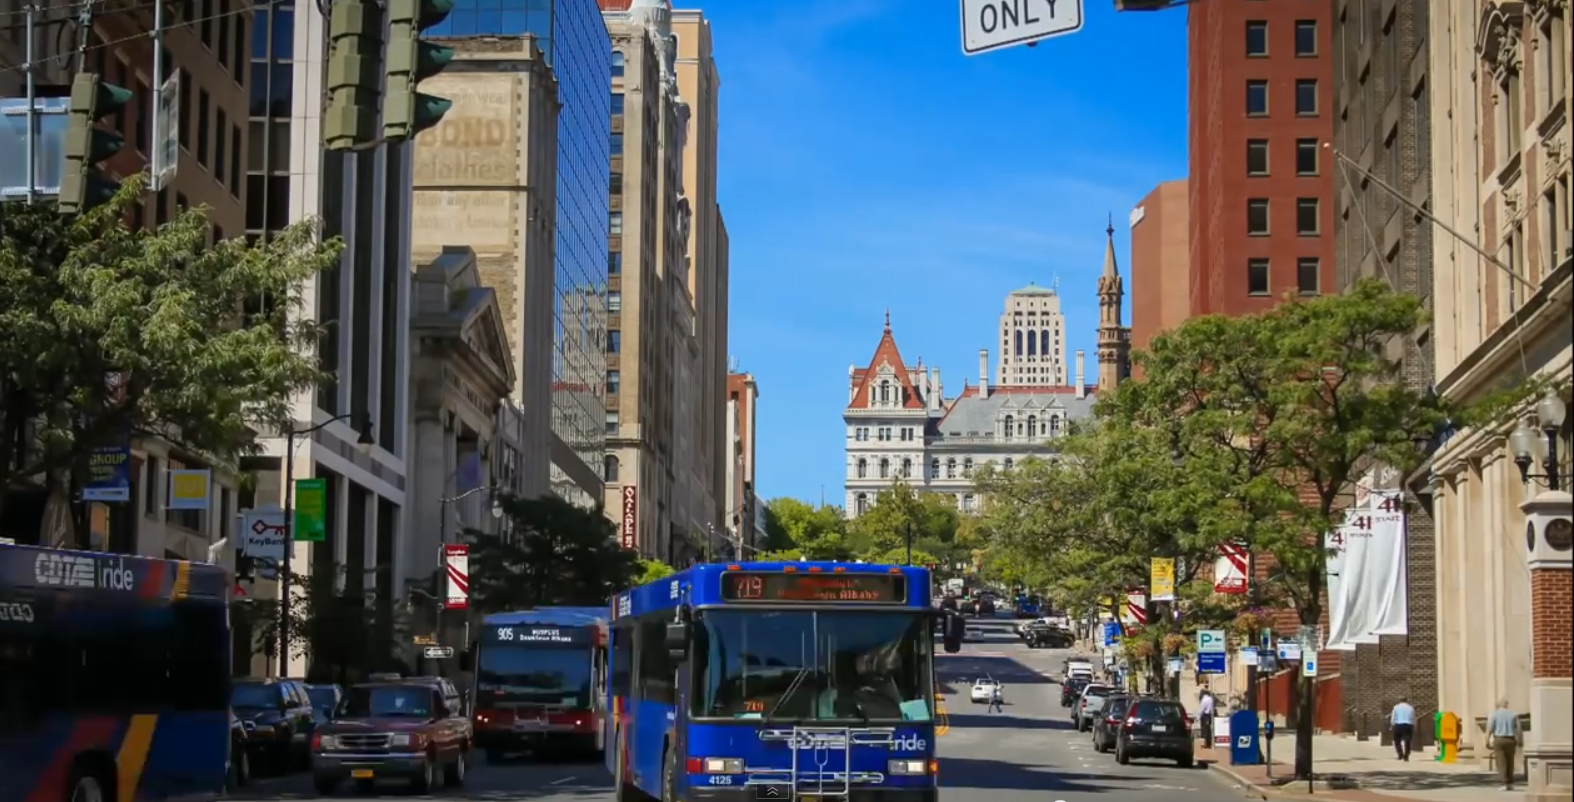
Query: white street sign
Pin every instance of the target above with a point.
(993, 24)
(438, 652)
(1210, 640)
(1309, 666)
(1289, 651)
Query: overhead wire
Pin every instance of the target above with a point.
(61, 57)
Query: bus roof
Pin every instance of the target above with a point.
(550, 616)
(36, 567)
(701, 584)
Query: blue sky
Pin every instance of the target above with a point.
(866, 163)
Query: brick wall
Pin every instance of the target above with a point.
(1551, 590)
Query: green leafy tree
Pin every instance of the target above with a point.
(343, 631)
(900, 512)
(108, 332)
(651, 570)
(814, 533)
(550, 553)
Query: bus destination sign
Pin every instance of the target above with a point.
(534, 635)
(810, 588)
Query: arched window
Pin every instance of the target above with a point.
(907, 468)
(1019, 342)
(1043, 339)
(1010, 463)
(617, 63)
(885, 392)
(967, 467)
(861, 503)
(609, 468)
(1054, 424)
(934, 468)
(863, 468)
(1032, 425)
(950, 468)
(1010, 426)
(1031, 351)
(885, 468)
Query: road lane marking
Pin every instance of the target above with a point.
(562, 781)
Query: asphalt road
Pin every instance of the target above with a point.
(1028, 753)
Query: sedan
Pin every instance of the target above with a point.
(984, 689)
(1155, 728)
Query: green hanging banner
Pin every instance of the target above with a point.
(311, 510)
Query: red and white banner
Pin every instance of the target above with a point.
(629, 529)
(456, 563)
(1136, 615)
(1229, 569)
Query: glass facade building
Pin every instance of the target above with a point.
(574, 40)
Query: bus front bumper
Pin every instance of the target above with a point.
(761, 793)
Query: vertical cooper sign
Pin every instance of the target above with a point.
(630, 522)
(456, 564)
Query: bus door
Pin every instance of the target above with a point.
(598, 695)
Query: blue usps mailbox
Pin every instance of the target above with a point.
(1243, 738)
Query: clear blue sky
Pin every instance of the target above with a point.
(866, 163)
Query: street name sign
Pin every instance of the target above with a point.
(438, 652)
(994, 24)
(1210, 640)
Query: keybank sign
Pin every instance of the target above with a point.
(72, 571)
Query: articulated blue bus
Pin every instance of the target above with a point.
(114, 677)
(541, 681)
(815, 679)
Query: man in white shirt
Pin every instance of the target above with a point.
(1403, 721)
(1205, 716)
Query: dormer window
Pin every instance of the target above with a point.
(885, 392)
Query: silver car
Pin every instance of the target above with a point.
(1087, 706)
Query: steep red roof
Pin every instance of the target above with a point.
(885, 352)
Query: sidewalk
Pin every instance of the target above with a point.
(1364, 771)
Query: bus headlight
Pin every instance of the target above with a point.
(907, 768)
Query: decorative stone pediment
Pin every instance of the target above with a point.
(451, 307)
(1498, 35)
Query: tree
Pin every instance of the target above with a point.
(899, 512)
(1297, 403)
(551, 553)
(814, 533)
(648, 571)
(109, 333)
(342, 630)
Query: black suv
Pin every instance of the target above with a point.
(1106, 725)
(1155, 728)
(1071, 690)
(278, 718)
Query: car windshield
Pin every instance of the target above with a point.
(534, 674)
(324, 697)
(255, 695)
(1115, 706)
(387, 701)
(813, 665)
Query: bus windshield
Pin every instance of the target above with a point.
(533, 675)
(813, 665)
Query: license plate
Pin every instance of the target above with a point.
(1160, 728)
(361, 774)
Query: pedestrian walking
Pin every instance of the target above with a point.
(997, 700)
(1403, 721)
(1503, 740)
(1205, 716)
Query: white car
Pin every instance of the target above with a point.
(984, 689)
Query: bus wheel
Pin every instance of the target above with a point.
(86, 786)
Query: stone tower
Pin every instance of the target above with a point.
(1114, 339)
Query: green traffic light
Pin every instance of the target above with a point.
(431, 59)
(108, 99)
(429, 111)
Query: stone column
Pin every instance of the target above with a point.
(1549, 749)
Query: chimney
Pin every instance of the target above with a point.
(983, 373)
(937, 392)
(852, 387)
(1082, 389)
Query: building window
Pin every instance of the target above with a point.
(934, 468)
(612, 423)
(1308, 275)
(614, 342)
(861, 503)
(1010, 463)
(617, 144)
(615, 224)
(1552, 47)
(614, 301)
(614, 263)
(617, 103)
(1306, 156)
(615, 183)
(617, 63)
(204, 126)
(1256, 38)
(1256, 157)
(1256, 98)
(1511, 120)
(950, 468)
(1306, 217)
(609, 468)
(1257, 217)
(1306, 97)
(614, 382)
(1305, 38)
(1256, 276)
(883, 434)
(967, 467)
(907, 468)
(885, 468)
(1010, 426)
(862, 468)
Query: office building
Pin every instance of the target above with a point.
(573, 42)
(1032, 338)
(1382, 125)
(1160, 262)
(1498, 77)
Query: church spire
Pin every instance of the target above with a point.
(1114, 340)
(888, 320)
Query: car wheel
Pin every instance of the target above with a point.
(325, 785)
(454, 773)
(1120, 756)
(86, 786)
(424, 781)
(240, 767)
(1186, 761)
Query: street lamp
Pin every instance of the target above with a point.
(363, 443)
(1530, 446)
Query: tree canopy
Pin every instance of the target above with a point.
(940, 534)
(109, 333)
(551, 553)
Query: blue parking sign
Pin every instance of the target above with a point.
(1210, 662)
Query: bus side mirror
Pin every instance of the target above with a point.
(677, 639)
(955, 630)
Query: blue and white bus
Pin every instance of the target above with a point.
(815, 679)
(114, 677)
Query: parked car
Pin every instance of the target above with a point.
(983, 689)
(279, 720)
(240, 760)
(1106, 725)
(1070, 690)
(1087, 706)
(1156, 728)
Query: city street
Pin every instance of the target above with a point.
(1029, 753)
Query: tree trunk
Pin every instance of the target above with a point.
(1306, 700)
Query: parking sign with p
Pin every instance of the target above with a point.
(1210, 640)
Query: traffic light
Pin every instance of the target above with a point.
(82, 184)
(407, 112)
(354, 35)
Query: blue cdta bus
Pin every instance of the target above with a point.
(803, 680)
